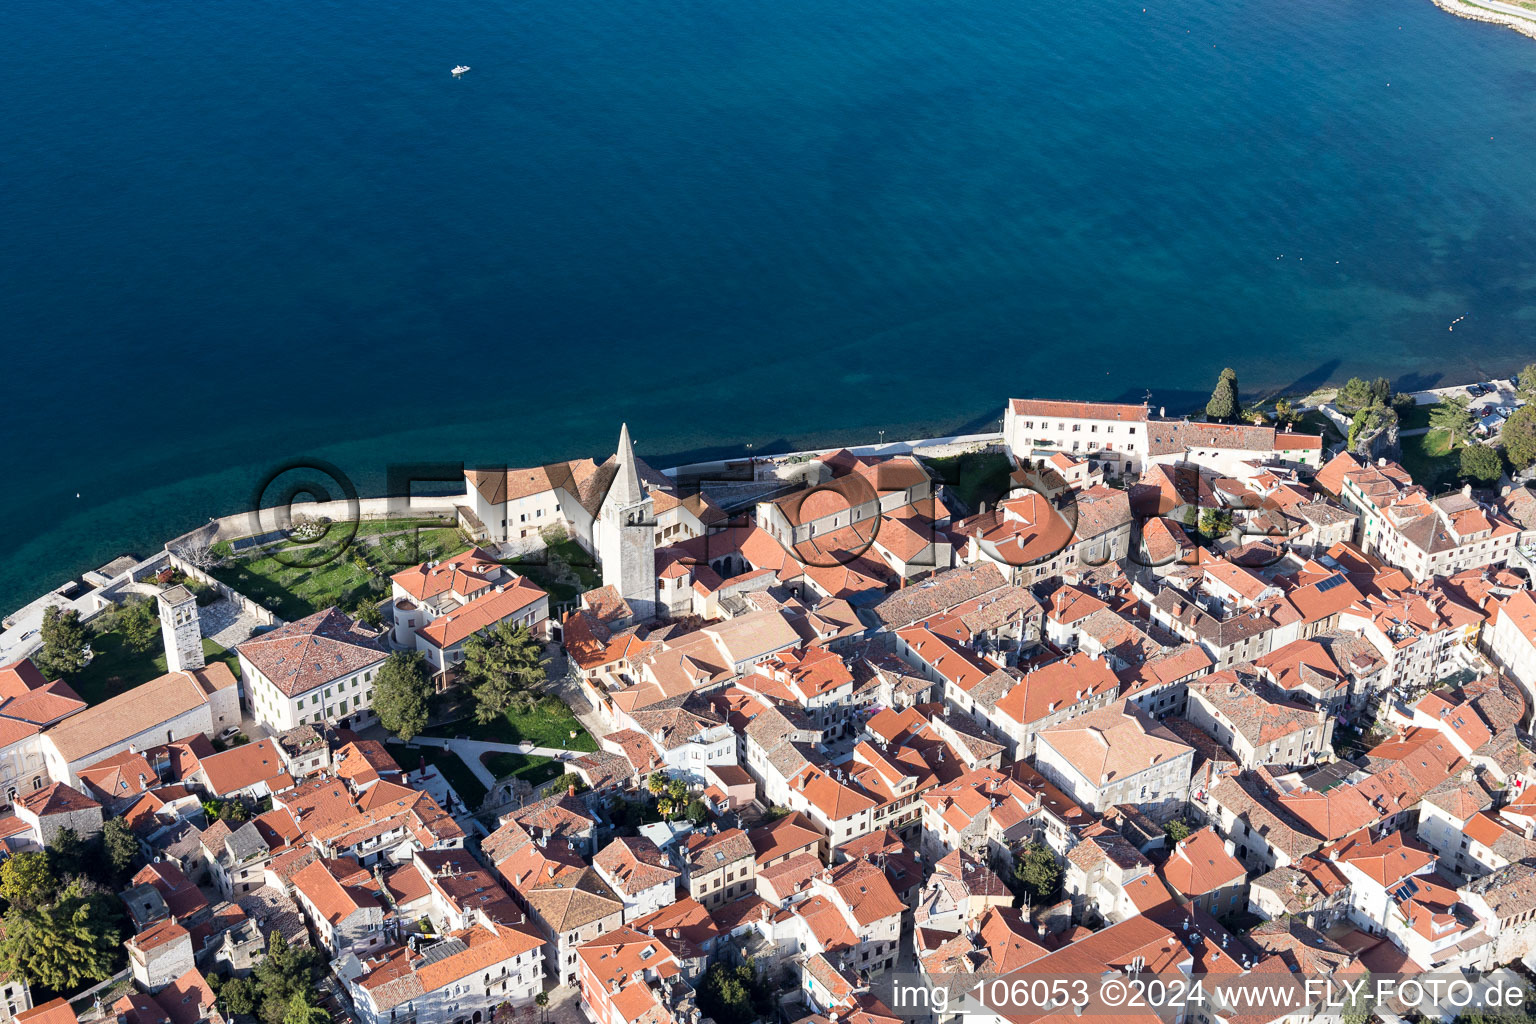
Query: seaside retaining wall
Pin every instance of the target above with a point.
(1473, 12)
(933, 447)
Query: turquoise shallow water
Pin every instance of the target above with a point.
(237, 231)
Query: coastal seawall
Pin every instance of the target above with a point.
(1523, 23)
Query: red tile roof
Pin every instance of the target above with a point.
(244, 766)
(1120, 413)
(493, 606)
(1200, 864)
(313, 651)
(55, 1011)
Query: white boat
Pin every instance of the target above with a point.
(460, 69)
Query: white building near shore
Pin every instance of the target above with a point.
(1112, 434)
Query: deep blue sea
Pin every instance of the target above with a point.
(238, 231)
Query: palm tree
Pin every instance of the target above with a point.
(656, 783)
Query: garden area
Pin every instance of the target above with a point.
(1350, 742)
(126, 651)
(548, 723)
(974, 477)
(116, 667)
(458, 774)
(534, 769)
(1430, 460)
(296, 578)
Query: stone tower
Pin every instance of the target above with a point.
(181, 630)
(626, 534)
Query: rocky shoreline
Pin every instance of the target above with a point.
(1475, 13)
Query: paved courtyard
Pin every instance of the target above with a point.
(225, 623)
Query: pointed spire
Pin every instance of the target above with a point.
(626, 484)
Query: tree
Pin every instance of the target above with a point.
(1525, 385)
(367, 612)
(300, 1011)
(677, 789)
(1452, 415)
(1176, 830)
(1223, 403)
(197, 552)
(1355, 394)
(1215, 522)
(67, 853)
(287, 971)
(238, 997)
(120, 844)
(541, 1000)
(1381, 391)
(1286, 412)
(139, 625)
(1519, 436)
(1368, 421)
(656, 783)
(1481, 464)
(735, 995)
(504, 667)
(27, 882)
(64, 641)
(1035, 869)
(65, 945)
(723, 996)
(401, 693)
(1359, 1009)
(697, 811)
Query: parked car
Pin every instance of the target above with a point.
(230, 733)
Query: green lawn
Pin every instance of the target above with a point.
(458, 774)
(531, 768)
(974, 477)
(549, 724)
(1415, 417)
(326, 573)
(1430, 460)
(116, 667)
